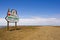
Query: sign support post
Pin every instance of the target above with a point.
(7, 25)
(15, 25)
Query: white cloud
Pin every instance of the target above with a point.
(34, 21)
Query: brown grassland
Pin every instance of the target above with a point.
(31, 33)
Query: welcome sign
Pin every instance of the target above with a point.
(12, 16)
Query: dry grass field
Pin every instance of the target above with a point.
(31, 33)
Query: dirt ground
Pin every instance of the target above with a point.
(31, 33)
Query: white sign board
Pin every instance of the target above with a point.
(12, 16)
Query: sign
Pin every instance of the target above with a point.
(12, 16)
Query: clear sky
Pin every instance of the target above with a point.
(31, 8)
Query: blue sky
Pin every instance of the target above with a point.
(31, 8)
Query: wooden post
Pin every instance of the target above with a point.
(15, 25)
(7, 25)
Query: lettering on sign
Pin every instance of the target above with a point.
(12, 16)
